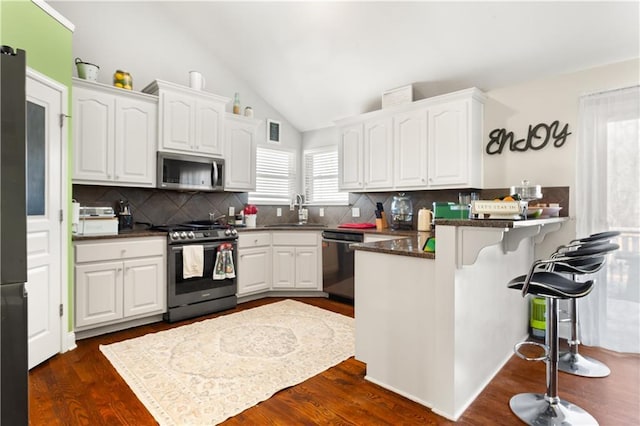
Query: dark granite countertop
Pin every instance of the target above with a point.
(333, 227)
(130, 233)
(499, 223)
(413, 246)
(405, 245)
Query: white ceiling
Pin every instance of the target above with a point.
(316, 62)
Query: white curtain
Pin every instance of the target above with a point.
(608, 198)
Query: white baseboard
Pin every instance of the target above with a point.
(69, 342)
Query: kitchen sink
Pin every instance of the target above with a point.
(296, 225)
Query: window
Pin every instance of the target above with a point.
(321, 178)
(275, 176)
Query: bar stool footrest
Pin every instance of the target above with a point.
(544, 357)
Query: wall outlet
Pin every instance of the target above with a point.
(232, 212)
(279, 211)
(355, 212)
(321, 211)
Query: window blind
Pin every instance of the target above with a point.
(321, 178)
(275, 176)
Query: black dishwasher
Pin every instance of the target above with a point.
(337, 263)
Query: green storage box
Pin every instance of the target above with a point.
(538, 320)
(450, 211)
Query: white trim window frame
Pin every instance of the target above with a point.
(276, 176)
(320, 178)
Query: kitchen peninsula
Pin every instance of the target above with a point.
(437, 328)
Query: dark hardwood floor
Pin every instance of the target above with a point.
(81, 388)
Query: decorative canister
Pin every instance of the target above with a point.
(86, 70)
(248, 112)
(123, 80)
(401, 212)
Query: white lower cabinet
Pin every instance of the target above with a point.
(254, 263)
(296, 260)
(118, 280)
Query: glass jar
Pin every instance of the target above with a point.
(123, 80)
(401, 212)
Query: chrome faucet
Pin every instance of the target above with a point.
(303, 214)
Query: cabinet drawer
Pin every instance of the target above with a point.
(119, 249)
(304, 238)
(254, 239)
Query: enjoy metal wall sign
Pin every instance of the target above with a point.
(538, 137)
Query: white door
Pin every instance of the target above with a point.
(44, 134)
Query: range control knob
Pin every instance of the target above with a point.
(227, 232)
(191, 235)
(175, 235)
(183, 235)
(234, 232)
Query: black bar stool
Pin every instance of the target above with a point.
(548, 408)
(572, 361)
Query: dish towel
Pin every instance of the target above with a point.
(224, 267)
(192, 261)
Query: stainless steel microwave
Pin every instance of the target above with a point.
(190, 172)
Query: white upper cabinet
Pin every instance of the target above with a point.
(240, 153)
(455, 144)
(378, 154)
(114, 135)
(410, 144)
(350, 155)
(434, 143)
(191, 121)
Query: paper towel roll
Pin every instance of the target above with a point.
(75, 216)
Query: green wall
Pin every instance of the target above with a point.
(23, 25)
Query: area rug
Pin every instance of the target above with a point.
(208, 371)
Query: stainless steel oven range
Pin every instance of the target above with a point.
(195, 296)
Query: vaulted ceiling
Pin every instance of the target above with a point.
(316, 62)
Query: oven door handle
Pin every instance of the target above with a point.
(178, 248)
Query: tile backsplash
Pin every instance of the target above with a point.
(160, 206)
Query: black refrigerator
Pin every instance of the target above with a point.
(14, 369)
